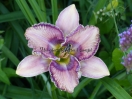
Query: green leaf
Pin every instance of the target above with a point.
(1, 42)
(16, 26)
(123, 82)
(105, 43)
(10, 72)
(22, 93)
(7, 41)
(129, 4)
(82, 11)
(14, 92)
(115, 89)
(3, 76)
(123, 17)
(116, 58)
(10, 55)
(94, 18)
(37, 10)
(129, 77)
(26, 11)
(43, 9)
(1, 31)
(54, 10)
(80, 86)
(99, 5)
(105, 57)
(106, 26)
(48, 86)
(103, 54)
(112, 5)
(1, 97)
(11, 16)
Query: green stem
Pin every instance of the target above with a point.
(114, 20)
(95, 91)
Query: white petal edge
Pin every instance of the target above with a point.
(68, 19)
(32, 65)
(43, 37)
(85, 42)
(65, 76)
(94, 67)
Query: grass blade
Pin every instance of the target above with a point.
(116, 90)
(37, 10)
(81, 85)
(43, 10)
(10, 55)
(16, 15)
(54, 10)
(26, 11)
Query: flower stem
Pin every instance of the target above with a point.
(114, 20)
(117, 31)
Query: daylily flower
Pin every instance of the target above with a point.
(65, 49)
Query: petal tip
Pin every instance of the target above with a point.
(17, 72)
(73, 6)
(94, 68)
(107, 73)
(20, 73)
(32, 65)
(69, 13)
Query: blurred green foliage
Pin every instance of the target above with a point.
(111, 16)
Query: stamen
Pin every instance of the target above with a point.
(66, 52)
(67, 48)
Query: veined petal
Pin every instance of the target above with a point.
(68, 19)
(85, 42)
(32, 65)
(44, 37)
(94, 67)
(65, 76)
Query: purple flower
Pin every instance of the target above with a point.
(65, 66)
(126, 39)
(127, 62)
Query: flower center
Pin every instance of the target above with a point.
(64, 53)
